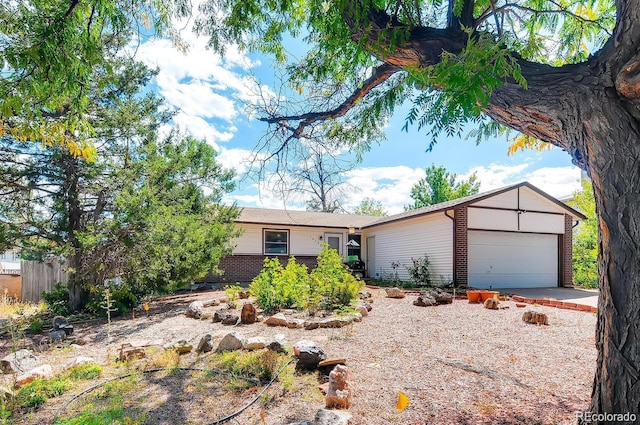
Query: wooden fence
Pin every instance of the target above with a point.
(38, 277)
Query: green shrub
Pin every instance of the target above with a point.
(277, 287)
(114, 415)
(58, 299)
(37, 392)
(419, 270)
(85, 371)
(332, 285)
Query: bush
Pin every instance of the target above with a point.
(419, 271)
(332, 285)
(37, 392)
(58, 299)
(277, 287)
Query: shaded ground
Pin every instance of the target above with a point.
(458, 364)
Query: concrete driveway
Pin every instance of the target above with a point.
(574, 295)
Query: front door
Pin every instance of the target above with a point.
(371, 257)
(334, 240)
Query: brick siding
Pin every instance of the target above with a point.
(566, 278)
(243, 268)
(461, 247)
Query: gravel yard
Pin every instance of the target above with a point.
(458, 363)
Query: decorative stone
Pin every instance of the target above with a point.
(243, 295)
(332, 362)
(425, 300)
(295, 323)
(248, 314)
(491, 304)
(339, 393)
(367, 306)
(79, 361)
(395, 293)
(211, 303)
(336, 322)
(311, 325)
(278, 319)
(521, 305)
(19, 362)
(363, 311)
(57, 336)
(195, 309)
(278, 343)
(230, 319)
(535, 318)
(41, 372)
(255, 343)
(205, 345)
(309, 354)
(181, 347)
(332, 417)
(128, 353)
(232, 341)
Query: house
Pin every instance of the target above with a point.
(10, 274)
(515, 236)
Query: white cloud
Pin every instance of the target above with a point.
(556, 181)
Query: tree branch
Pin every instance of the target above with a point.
(379, 76)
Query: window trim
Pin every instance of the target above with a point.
(264, 241)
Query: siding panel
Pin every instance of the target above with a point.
(488, 219)
(398, 242)
(542, 223)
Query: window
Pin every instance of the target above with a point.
(276, 242)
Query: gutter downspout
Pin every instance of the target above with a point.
(455, 251)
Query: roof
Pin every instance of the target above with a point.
(467, 200)
(322, 219)
(303, 218)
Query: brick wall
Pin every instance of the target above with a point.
(566, 278)
(460, 273)
(243, 268)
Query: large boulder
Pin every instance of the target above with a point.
(248, 314)
(195, 309)
(395, 293)
(309, 354)
(431, 297)
(232, 341)
(339, 392)
(19, 362)
(225, 317)
(41, 372)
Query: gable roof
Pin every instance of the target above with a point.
(467, 200)
(323, 219)
(303, 218)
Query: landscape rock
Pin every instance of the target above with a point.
(363, 311)
(243, 295)
(425, 300)
(278, 319)
(248, 315)
(211, 303)
(339, 392)
(230, 319)
(367, 306)
(41, 372)
(79, 361)
(181, 347)
(336, 322)
(128, 353)
(277, 344)
(309, 354)
(365, 296)
(491, 304)
(205, 345)
(535, 318)
(255, 343)
(19, 362)
(311, 325)
(195, 309)
(231, 341)
(395, 293)
(295, 323)
(57, 336)
(332, 417)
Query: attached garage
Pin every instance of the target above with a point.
(510, 260)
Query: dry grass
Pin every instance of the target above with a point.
(458, 364)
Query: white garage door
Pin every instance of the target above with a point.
(512, 260)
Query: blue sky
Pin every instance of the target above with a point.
(209, 93)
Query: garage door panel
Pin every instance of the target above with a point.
(510, 260)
